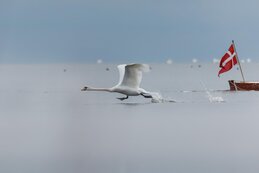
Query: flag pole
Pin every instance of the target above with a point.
(238, 61)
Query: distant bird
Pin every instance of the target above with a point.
(129, 83)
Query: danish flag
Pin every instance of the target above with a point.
(228, 60)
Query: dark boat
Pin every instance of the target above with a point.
(243, 86)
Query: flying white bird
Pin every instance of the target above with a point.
(129, 83)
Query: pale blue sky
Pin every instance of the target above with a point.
(62, 31)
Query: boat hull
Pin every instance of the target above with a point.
(243, 86)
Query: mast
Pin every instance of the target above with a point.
(238, 61)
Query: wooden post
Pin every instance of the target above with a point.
(238, 61)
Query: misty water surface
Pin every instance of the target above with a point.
(49, 126)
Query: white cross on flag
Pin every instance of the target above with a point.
(228, 60)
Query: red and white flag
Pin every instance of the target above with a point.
(228, 60)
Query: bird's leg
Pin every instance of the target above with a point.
(123, 98)
(146, 95)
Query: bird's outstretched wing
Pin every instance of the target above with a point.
(121, 69)
(131, 75)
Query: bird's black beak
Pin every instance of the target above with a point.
(84, 89)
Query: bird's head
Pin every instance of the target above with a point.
(84, 89)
